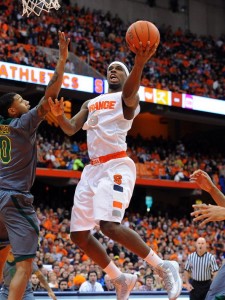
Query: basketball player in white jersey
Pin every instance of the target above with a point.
(107, 183)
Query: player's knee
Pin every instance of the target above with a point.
(109, 228)
(79, 238)
(24, 269)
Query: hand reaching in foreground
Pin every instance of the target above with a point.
(57, 106)
(208, 213)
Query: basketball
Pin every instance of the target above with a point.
(142, 31)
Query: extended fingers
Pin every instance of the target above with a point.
(201, 217)
(50, 101)
(55, 102)
(62, 38)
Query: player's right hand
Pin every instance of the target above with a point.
(57, 106)
(144, 54)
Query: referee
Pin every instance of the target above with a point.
(199, 269)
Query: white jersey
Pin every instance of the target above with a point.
(106, 126)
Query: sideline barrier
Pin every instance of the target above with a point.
(55, 173)
(156, 295)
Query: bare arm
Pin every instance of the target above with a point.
(132, 84)
(69, 127)
(55, 83)
(208, 213)
(45, 284)
(205, 183)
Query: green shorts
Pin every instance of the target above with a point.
(18, 223)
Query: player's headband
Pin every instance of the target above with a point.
(121, 64)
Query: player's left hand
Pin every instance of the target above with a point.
(208, 213)
(63, 46)
(57, 106)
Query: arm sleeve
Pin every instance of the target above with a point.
(214, 265)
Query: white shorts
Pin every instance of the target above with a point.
(103, 193)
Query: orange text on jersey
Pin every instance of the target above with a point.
(102, 105)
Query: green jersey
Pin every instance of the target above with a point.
(18, 151)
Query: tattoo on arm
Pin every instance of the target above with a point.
(42, 109)
(53, 80)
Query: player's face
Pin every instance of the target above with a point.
(20, 106)
(116, 77)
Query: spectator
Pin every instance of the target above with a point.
(63, 285)
(78, 281)
(91, 285)
(149, 284)
(108, 285)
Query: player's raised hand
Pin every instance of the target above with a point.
(143, 54)
(63, 45)
(56, 106)
(202, 179)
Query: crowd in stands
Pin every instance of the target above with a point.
(155, 158)
(184, 62)
(66, 267)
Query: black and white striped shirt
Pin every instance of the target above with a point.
(201, 267)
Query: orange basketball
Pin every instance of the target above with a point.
(142, 31)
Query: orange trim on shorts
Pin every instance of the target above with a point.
(117, 204)
(102, 159)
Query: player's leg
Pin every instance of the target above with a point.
(20, 279)
(124, 283)
(168, 270)
(4, 251)
(4, 238)
(82, 220)
(23, 237)
(117, 188)
(91, 246)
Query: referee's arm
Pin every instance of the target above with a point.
(187, 276)
(214, 267)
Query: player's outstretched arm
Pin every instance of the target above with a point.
(73, 125)
(45, 284)
(208, 213)
(132, 84)
(55, 83)
(203, 180)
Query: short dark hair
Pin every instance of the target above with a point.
(5, 102)
(149, 276)
(90, 272)
(62, 281)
